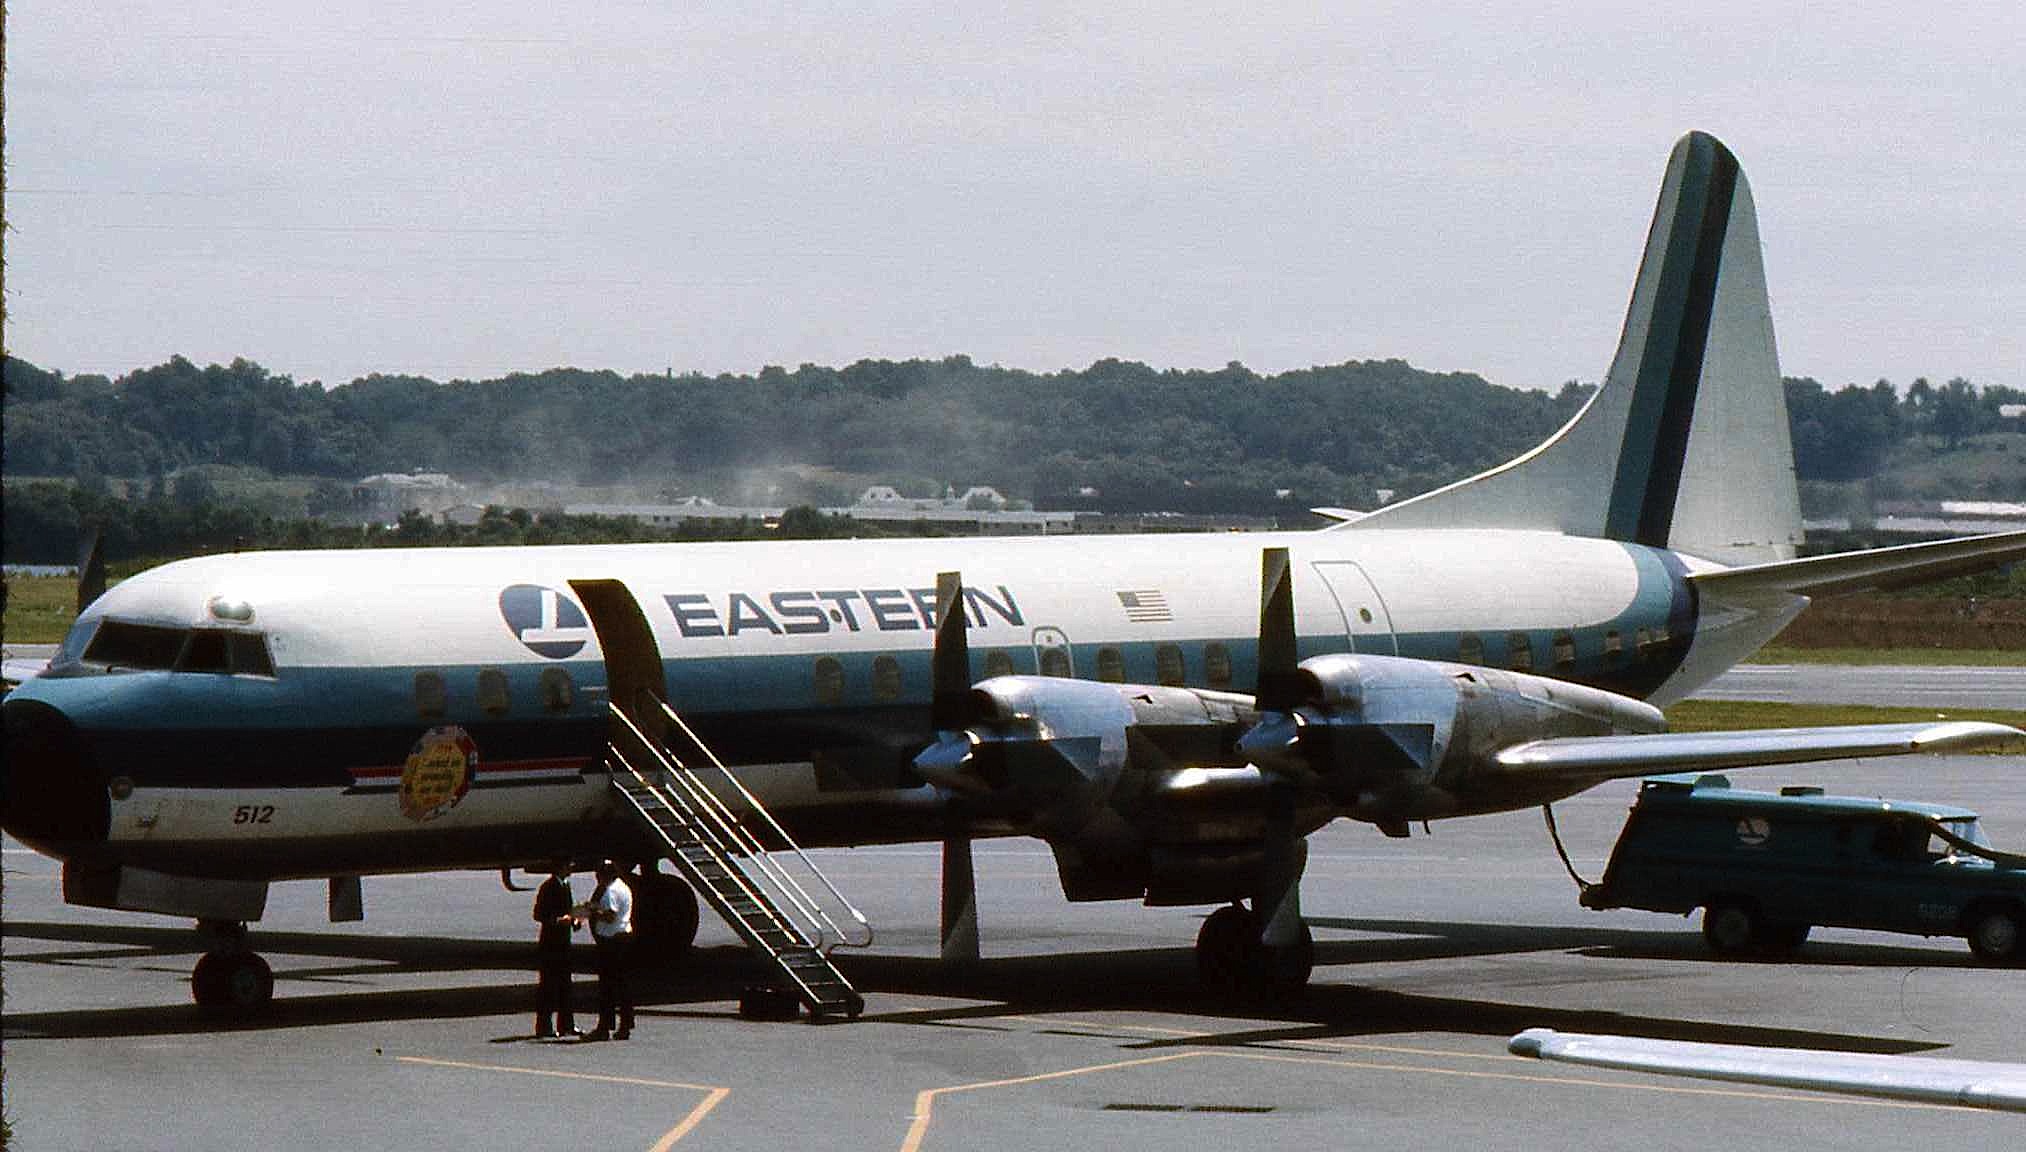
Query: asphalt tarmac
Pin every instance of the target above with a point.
(1083, 1025)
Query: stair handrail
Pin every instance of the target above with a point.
(721, 814)
(738, 875)
(753, 802)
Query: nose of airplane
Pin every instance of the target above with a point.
(52, 796)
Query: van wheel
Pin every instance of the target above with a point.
(1730, 926)
(1994, 935)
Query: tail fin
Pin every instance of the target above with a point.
(1686, 444)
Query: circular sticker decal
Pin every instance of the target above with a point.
(438, 772)
(547, 621)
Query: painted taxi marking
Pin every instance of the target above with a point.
(713, 1094)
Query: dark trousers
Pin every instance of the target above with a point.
(552, 989)
(613, 993)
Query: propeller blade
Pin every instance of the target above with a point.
(91, 569)
(1279, 686)
(951, 707)
(960, 901)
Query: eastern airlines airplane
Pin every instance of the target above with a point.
(1171, 725)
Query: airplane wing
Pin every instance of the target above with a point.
(1598, 758)
(1928, 1079)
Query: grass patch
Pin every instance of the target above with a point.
(1924, 657)
(1727, 715)
(39, 608)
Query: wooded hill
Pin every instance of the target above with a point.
(1116, 436)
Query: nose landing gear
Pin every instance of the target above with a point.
(230, 977)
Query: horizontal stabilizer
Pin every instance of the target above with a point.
(1597, 758)
(1881, 569)
(1927, 1079)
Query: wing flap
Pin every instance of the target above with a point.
(1596, 758)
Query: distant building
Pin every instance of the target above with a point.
(462, 515)
(387, 496)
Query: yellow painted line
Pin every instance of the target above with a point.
(713, 1095)
(925, 1101)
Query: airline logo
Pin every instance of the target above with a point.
(547, 621)
(816, 611)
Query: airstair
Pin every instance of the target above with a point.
(737, 856)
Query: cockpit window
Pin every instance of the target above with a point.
(120, 645)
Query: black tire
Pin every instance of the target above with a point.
(1226, 949)
(1782, 939)
(1285, 969)
(1994, 934)
(1731, 927)
(665, 917)
(235, 981)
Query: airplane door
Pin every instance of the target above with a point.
(1366, 622)
(1052, 656)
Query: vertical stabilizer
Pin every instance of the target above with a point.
(1686, 443)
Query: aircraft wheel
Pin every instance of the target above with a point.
(1227, 947)
(1286, 968)
(233, 981)
(1994, 935)
(1731, 926)
(664, 917)
(1781, 939)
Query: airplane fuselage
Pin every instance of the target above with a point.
(445, 708)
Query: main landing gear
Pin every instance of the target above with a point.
(664, 915)
(230, 977)
(1243, 955)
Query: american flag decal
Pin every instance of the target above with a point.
(1146, 606)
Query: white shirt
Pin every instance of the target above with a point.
(618, 900)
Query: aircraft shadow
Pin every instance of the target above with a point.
(1152, 980)
(1435, 939)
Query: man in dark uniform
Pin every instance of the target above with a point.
(554, 912)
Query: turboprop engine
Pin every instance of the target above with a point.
(1042, 752)
(1393, 739)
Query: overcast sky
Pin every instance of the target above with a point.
(471, 188)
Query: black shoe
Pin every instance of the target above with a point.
(572, 1032)
(593, 1037)
(623, 1034)
(545, 1033)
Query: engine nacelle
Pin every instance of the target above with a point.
(1044, 752)
(1394, 738)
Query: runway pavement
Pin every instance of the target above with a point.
(1083, 1026)
(1898, 686)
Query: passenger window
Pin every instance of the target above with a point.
(885, 678)
(829, 680)
(1565, 650)
(558, 690)
(1111, 666)
(493, 696)
(1054, 661)
(1644, 639)
(1217, 665)
(1519, 652)
(1168, 664)
(998, 663)
(1614, 647)
(432, 697)
(1470, 649)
